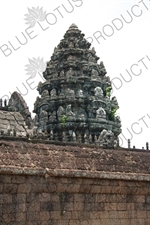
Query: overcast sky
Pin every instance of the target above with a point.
(119, 31)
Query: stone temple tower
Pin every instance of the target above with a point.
(76, 103)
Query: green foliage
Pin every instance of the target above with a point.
(108, 91)
(63, 120)
(113, 113)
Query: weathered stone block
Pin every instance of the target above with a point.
(1, 187)
(44, 197)
(121, 206)
(18, 179)
(21, 207)
(9, 208)
(5, 179)
(78, 206)
(33, 216)
(20, 198)
(112, 206)
(49, 206)
(9, 218)
(56, 214)
(94, 215)
(10, 188)
(74, 215)
(20, 217)
(24, 188)
(141, 214)
(44, 216)
(33, 206)
(7, 198)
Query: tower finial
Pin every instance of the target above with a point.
(73, 26)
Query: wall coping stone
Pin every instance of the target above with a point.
(74, 174)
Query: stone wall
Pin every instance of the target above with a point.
(46, 184)
(53, 200)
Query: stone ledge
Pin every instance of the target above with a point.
(74, 174)
(48, 142)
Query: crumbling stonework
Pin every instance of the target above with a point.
(17, 103)
(15, 118)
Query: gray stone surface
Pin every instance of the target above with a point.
(75, 103)
(15, 118)
(12, 124)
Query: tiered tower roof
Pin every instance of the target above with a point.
(75, 103)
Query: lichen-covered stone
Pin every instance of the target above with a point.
(75, 99)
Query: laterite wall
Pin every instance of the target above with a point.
(57, 184)
(56, 200)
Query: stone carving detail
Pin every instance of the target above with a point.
(62, 74)
(81, 117)
(70, 115)
(43, 118)
(70, 93)
(70, 58)
(71, 45)
(39, 86)
(80, 93)
(74, 137)
(81, 90)
(93, 51)
(91, 58)
(117, 119)
(102, 69)
(45, 93)
(53, 93)
(17, 104)
(60, 111)
(70, 73)
(53, 116)
(114, 100)
(55, 75)
(94, 75)
(98, 92)
(55, 50)
(85, 68)
(107, 80)
(43, 113)
(100, 113)
(36, 104)
(107, 139)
